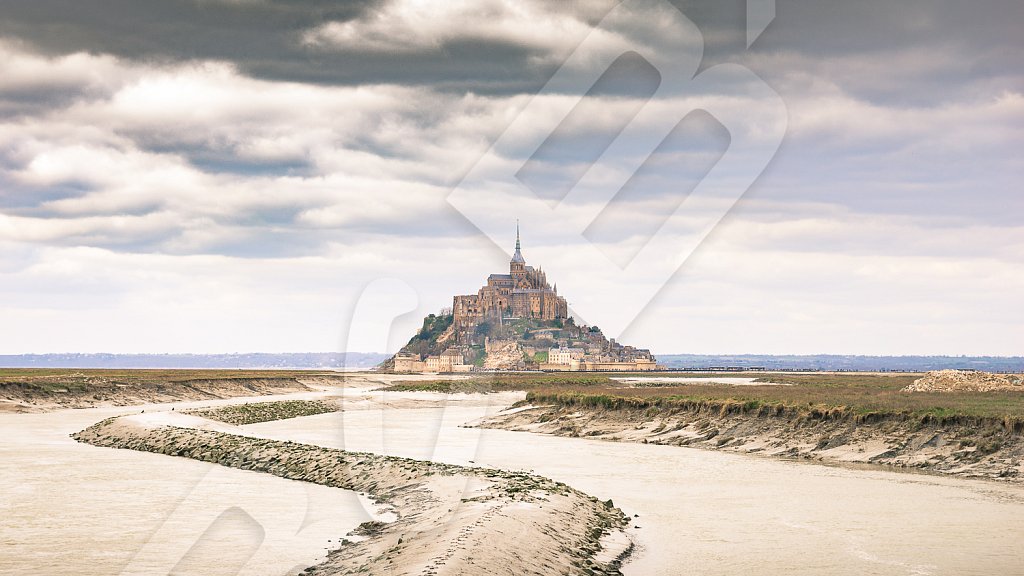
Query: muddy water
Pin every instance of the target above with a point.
(69, 508)
(704, 512)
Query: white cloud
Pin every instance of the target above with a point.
(87, 74)
(98, 300)
(411, 26)
(731, 298)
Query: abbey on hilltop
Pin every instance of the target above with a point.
(516, 321)
(522, 293)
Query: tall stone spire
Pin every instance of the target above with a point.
(518, 256)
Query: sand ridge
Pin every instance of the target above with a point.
(451, 519)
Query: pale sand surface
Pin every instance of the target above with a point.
(71, 508)
(953, 449)
(450, 520)
(696, 515)
(707, 512)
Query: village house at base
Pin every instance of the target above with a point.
(516, 321)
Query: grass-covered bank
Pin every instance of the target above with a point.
(24, 390)
(989, 409)
(861, 397)
(828, 418)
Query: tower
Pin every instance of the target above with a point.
(517, 267)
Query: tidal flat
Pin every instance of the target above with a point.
(690, 510)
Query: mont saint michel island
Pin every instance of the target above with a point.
(516, 321)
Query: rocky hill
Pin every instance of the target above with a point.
(513, 344)
(505, 355)
(511, 323)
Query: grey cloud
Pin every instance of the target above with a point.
(33, 101)
(555, 167)
(979, 42)
(227, 160)
(22, 200)
(170, 29)
(839, 43)
(262, 38)
(896, 165)
(892, 177)
(907, 53)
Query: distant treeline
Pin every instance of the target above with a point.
(841, 362)
(311, 360)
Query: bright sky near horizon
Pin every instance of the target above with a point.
(259, 175)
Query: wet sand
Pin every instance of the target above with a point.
(708, 512)
(450, 519)
(698, 511)
(964, 449)
(72, 508)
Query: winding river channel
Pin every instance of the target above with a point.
(71, 508)
(78, 509)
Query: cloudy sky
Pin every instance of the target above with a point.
(262, 175)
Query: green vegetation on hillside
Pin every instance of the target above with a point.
(425, 340)
(539, 334)
(529, 331)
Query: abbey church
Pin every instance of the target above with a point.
(522, 293)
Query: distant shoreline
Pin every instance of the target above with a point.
(233, 361)
(366, 360)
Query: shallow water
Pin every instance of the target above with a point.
(70, 508)
(705, 512)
